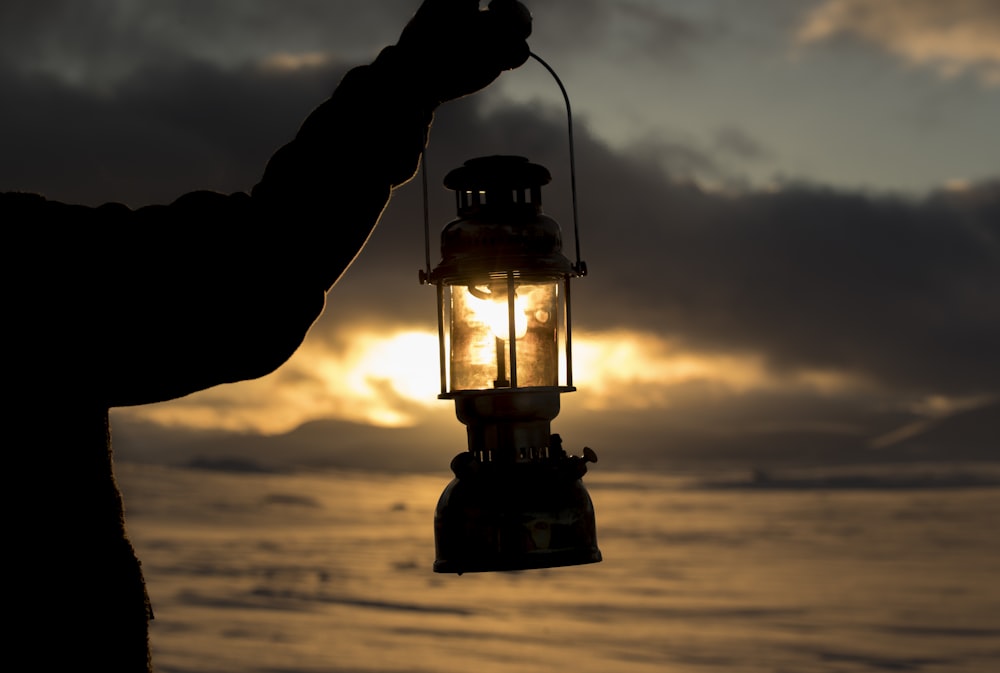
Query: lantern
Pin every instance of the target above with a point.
(505, 339)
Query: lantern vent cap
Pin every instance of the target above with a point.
(499, 171)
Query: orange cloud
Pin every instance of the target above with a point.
(391, 378)
(289, 62)
(609, 367)
(932, 410)
(951, 37)
(380, 378)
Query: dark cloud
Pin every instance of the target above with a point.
(811, 278)
(758, 430)
(681, 159)
(101, 41)
(327, 444)
(734, 142)
(616, 29)
(658, 32)
(159, 133)
(900, 291)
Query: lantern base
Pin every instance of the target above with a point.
(505, 425)
(495, 517)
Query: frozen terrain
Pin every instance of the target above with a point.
(332, 572)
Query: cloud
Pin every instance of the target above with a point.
(653, 31)
(283, 61)
(899, 292)
(622, 30)
(803, 307)
(932, 412)
(609, 362)
(160, 132)
(735, 142)
(377, 377)
(101, 42)
(952, 37)
(326, 443)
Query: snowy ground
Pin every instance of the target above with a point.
(332, 572)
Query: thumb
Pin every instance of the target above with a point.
(445, 10)
(508, 25)
(513, 16)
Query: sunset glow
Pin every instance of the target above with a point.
(373, 378)
(392, 380)
(950, 38)
(288, 62)
(610, 367)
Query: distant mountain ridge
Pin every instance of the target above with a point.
(971, 436)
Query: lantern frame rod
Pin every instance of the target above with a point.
(569, 334)
(441, 354)
(511, 329)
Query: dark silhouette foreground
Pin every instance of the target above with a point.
(110, 306)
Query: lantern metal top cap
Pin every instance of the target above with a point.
(497, 172)
(501, 229)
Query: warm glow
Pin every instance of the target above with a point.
(392, 378)
(407, 362)
(286, 62)
(492, 310)
(637, 370)
(480, 350)
(931, 410)
(951, 37)
(607, 365)
(363, 376)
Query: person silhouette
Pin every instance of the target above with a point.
(111, 306)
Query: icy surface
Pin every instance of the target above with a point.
(332, 572)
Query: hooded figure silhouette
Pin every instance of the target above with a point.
(167, 300)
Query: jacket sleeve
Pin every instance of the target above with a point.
(137, 306)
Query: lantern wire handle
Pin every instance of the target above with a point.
(580, 267)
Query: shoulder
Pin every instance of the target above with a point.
(24, 204)
(27, 204)
(21, 200)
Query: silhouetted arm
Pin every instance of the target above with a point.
(110, 306)
(245, 276)
(213, 288)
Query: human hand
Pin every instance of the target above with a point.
(453, 48)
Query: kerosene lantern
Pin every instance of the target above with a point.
(505, 339)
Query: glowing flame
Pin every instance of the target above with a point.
(490, 308)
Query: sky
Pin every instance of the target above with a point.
(790, 210)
